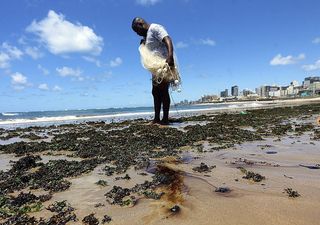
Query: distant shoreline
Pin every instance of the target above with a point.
(225, 107)
(263, 101)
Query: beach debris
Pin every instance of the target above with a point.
(49, 176)
(21, 219)
(126, 177)
(60, 206)
(9, 134)
(316, 134)
(152, 194)
(99, 205)
(106, 219)
(281, 129)
(109, 171)
(199, 147)
(223, 190)
(20, 205)
(291, 193)
(60, 218)
(143, 174)
(312, 167)
(102, 183)
(243, 161)
(271, 152)
(90, 220)
(249, 175)
(203, 168)
(129, 201)
(265, 146)
(64, 213)
(116, 195)
(287, 176)
(25, 163)
(23, 203)
(301, 128)
(32, 136)
(175, 209)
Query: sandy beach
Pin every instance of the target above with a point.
(245, 167)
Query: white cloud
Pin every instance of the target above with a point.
(57, 88)
(286, 60)
(18, 79)
(116, 62)
(61, 36)
(316, 40)
(22, 41)
(207, 41)
(12, 51)
(33, 52)
(311, 67)
(43, 87)
(8, 53)
(181, 44)
(4, 60)
(43, 70)
(85, 94)
(93, 60)
(147, 2)
(67, 71)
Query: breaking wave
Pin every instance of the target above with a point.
(9, 114)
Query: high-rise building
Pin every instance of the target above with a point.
(235, 90)
(258, 92)
(294, 83)
(264, 91)
(224, 93)
(314, 87)
(274, 91)
(247, 92)
(309, 80)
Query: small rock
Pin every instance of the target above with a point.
(106, 219)
(223, 190)
(175, 209)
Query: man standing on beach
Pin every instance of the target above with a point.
(156, 39)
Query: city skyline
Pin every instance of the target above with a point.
(310, 86)
(80, 54)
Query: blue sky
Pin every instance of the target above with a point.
(79, 54)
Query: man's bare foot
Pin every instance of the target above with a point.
(154, 122)
(164, 122)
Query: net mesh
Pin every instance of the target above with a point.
(159, 69)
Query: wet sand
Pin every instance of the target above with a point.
(247, 203)
(283, 161)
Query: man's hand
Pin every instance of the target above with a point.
(167, 41)
(142, 42)
(170, 61)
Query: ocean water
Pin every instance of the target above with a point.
(44, 118)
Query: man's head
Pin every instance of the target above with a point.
(140, 26)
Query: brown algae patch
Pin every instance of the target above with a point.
(171, 183)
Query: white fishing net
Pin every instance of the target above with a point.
(159, 69)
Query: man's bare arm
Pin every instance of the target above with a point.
(168, 42)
